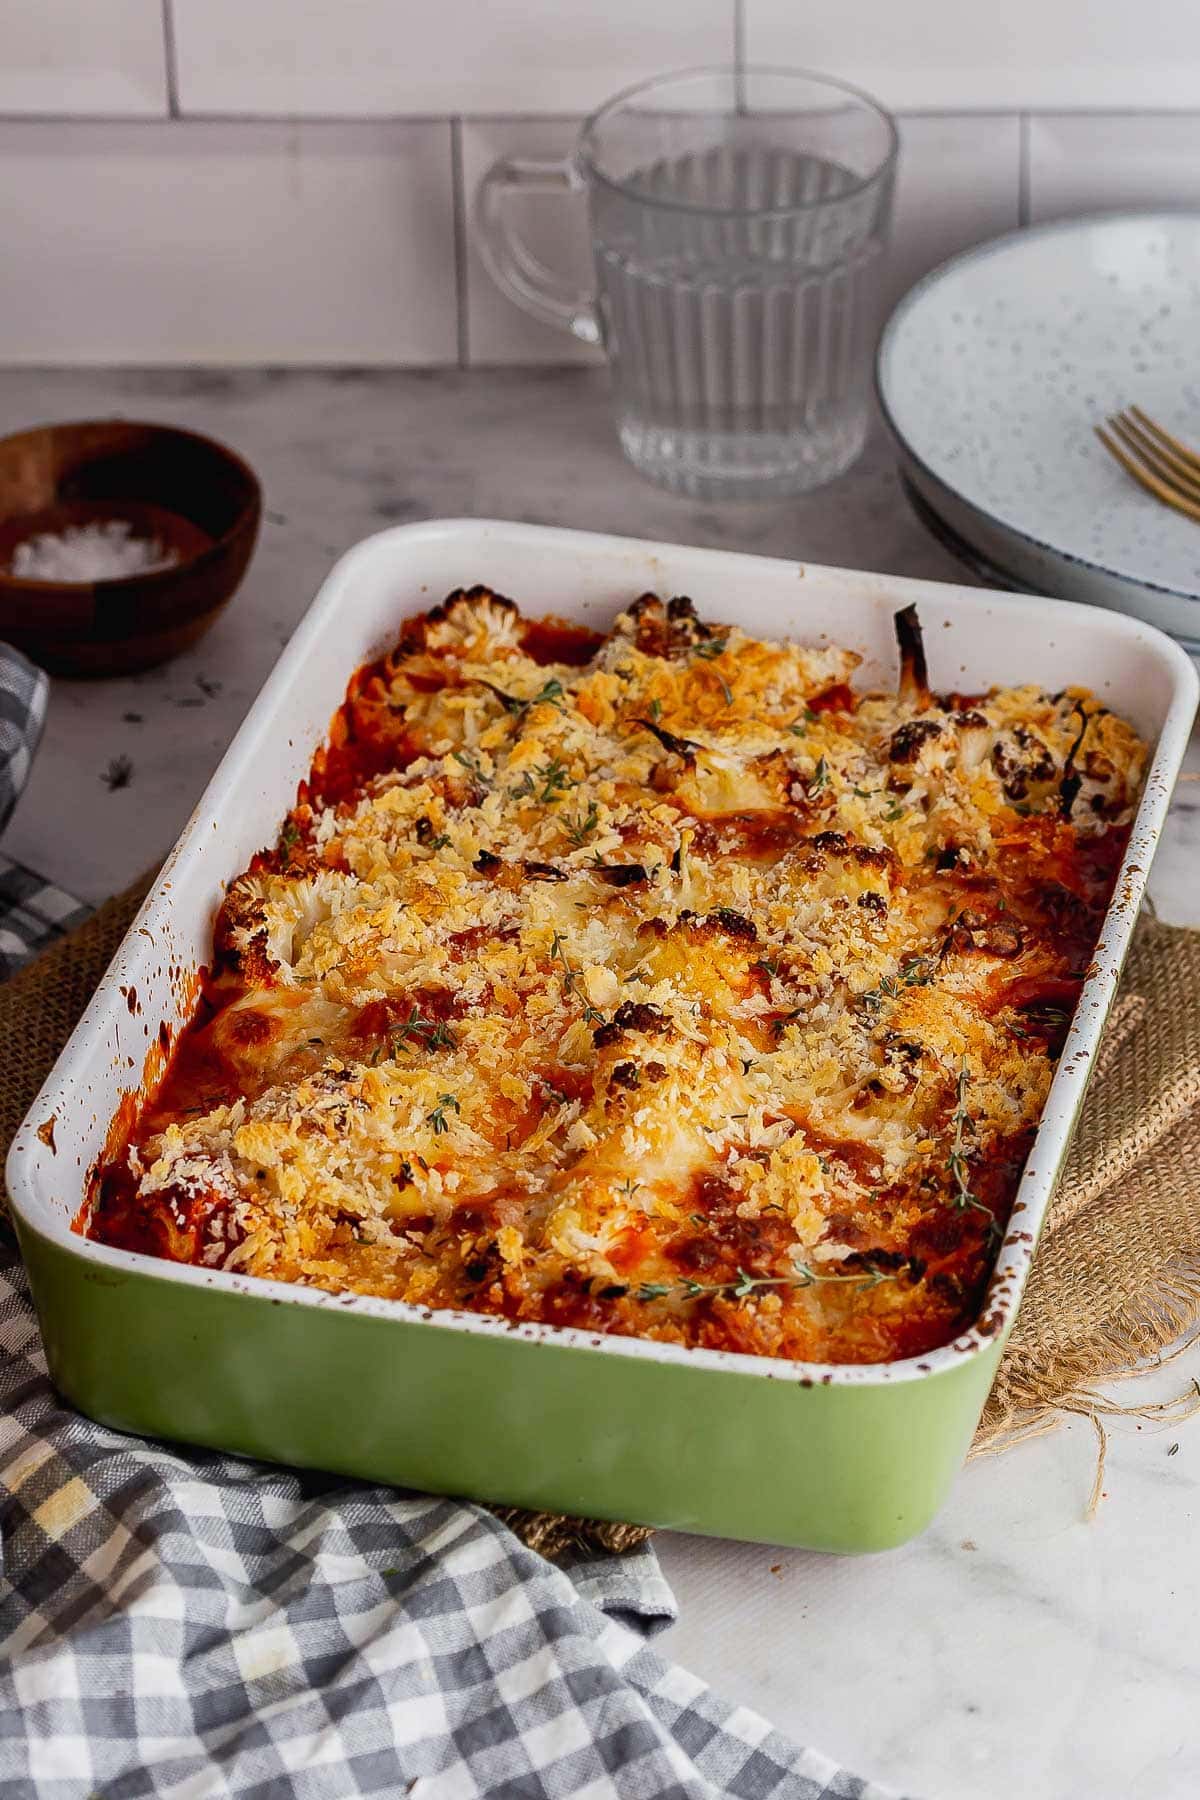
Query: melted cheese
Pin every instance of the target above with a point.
(669, 988)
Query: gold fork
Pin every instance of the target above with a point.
(1162, 464)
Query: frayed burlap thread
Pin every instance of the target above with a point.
(1116, 1283)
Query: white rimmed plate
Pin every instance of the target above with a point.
(992, 373)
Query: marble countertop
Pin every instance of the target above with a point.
(1014, 1649)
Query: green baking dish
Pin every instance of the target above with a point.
(846, 1458)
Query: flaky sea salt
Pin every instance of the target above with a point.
(101, 551)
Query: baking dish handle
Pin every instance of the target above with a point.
(511, 264)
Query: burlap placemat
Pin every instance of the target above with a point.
(1117, 1276)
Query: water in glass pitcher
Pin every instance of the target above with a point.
(739, 337)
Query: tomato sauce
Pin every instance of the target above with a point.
(554, 641)
(935, 1245)
(838, 698)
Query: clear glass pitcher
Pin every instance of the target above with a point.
(739, 218)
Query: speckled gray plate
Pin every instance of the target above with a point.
(994, 369)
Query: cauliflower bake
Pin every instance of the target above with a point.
(659, 983)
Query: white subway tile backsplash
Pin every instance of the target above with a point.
(239, 233)
(1093, 162)
(227, 243)
(950, 55)
(553, 225)
(363, 57)
(957, 184)
(63, 57)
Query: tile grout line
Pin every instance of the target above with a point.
(170, 59)
(315, 120)
(739, 34)
(367, 121)
(458, 201)
(1023, 125)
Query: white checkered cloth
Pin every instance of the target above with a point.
(33, 913)
(179, 1623)
(24, 690)
(30, 912)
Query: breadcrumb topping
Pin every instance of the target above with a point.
(659, 983)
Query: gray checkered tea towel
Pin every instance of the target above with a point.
(24, 690)
(33, 913)
(24, 927)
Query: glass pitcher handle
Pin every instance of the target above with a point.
(511, 264)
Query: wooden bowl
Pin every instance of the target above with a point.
(197, 498)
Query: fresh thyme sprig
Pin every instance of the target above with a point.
(580, 829)
(437, 1118)
(471, 765)
(289, 837)
(554, 781)
(549, 695)
(914, 971)
(746, 1284)
(820, 779)
(958, 1160)
(571, 983)
(435, 1034)
(964, 1198)
(708, 652)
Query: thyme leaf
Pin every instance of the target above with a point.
(552, 776)
(471, 765)
(580, 829)
(435, 1034)
(437, 1118)
(958, 1161)
(571, 983)
(549, 695)
(747, 1283)
(708, 652)
(914, 971)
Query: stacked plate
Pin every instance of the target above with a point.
(992, 373)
